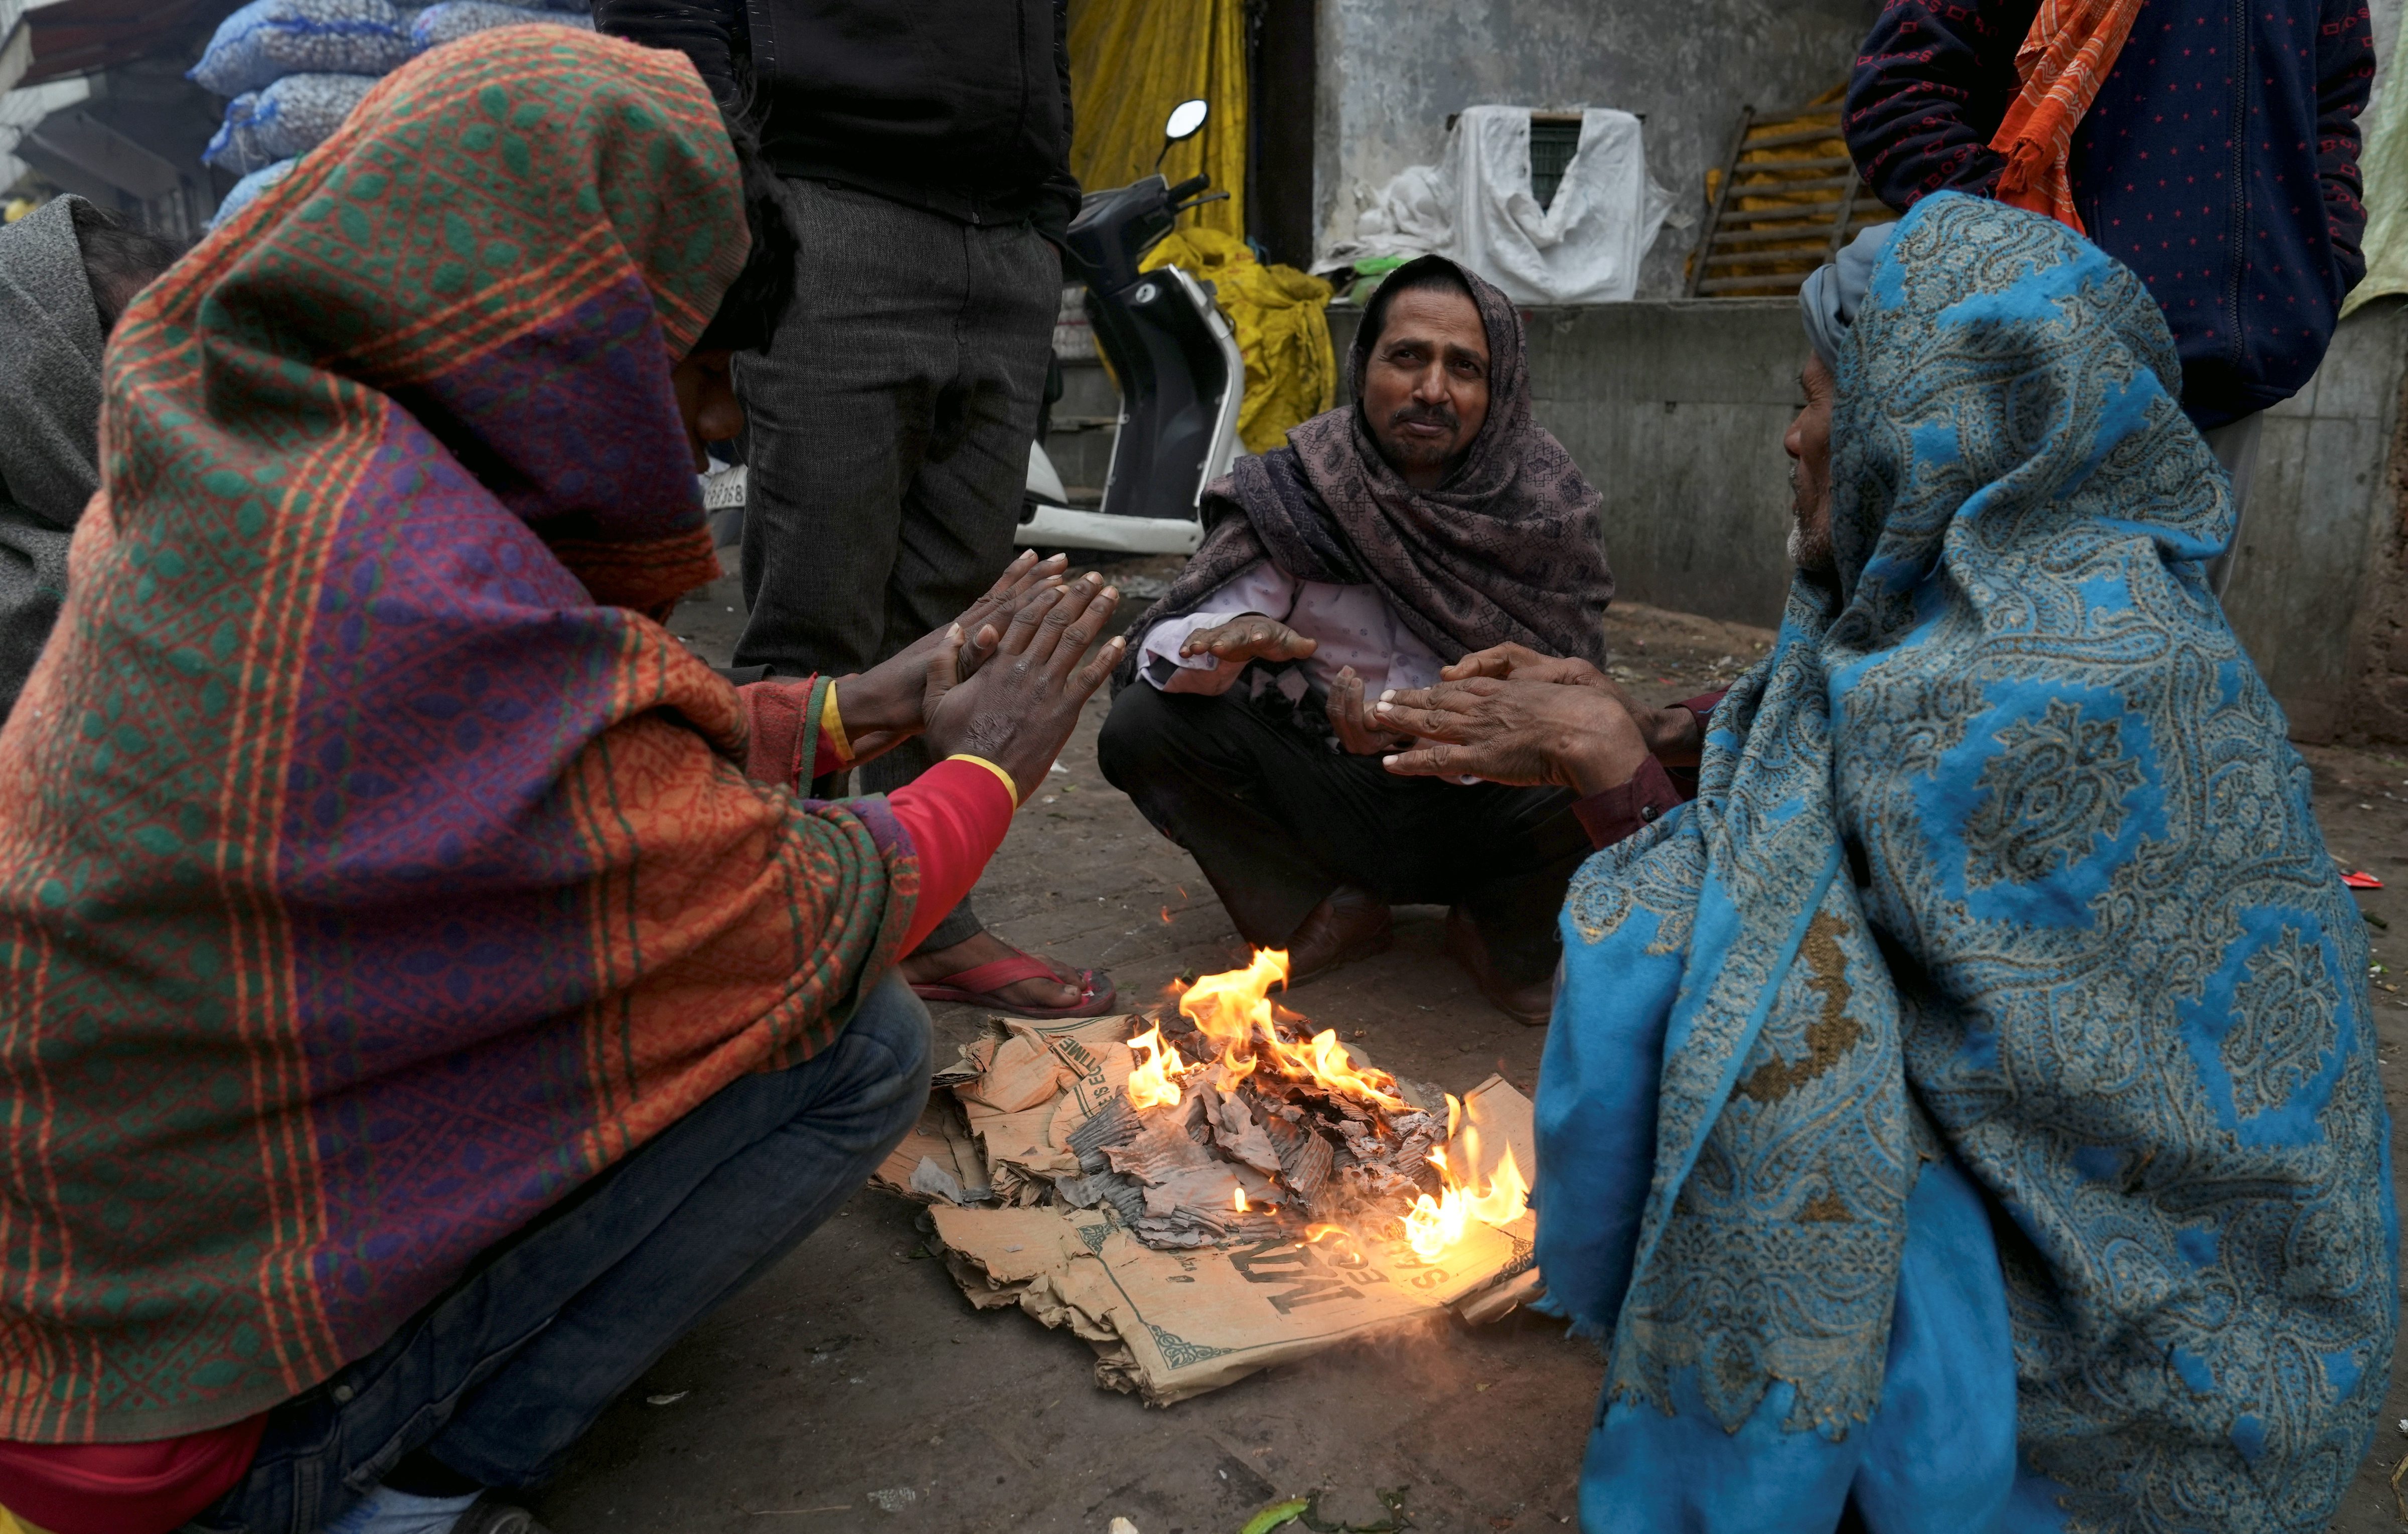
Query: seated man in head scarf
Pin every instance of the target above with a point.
(1430, 519)
(1964, 1113)
(67, 270)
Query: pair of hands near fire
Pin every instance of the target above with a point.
(1511, 715)
(1255, 637)
(1040, 631)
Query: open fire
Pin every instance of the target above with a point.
(1234, 1123)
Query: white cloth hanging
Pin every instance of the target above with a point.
(1585, 246)
(1476, 206)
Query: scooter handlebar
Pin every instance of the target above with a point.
(1188, 188)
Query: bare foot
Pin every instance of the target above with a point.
(928, 966)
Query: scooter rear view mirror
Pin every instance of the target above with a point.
(1186, 121)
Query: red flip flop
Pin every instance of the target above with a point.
(977, 985)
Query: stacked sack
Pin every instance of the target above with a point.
(294, 70)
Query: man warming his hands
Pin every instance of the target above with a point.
(1427, 520)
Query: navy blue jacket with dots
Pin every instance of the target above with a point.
(2219, 161)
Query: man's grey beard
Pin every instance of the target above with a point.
(1813, 555)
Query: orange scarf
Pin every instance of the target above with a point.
(2063, 61)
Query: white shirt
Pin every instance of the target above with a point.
(1354, 625)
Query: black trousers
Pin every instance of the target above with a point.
(1278, 820)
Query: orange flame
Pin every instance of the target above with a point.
(1434, 1225)
(1155, 1084)
(1238, 1200)
(1233, 1010)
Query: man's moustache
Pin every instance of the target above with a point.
(1423, 415)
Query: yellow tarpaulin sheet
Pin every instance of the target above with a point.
(1131, 61)
(1277, 312)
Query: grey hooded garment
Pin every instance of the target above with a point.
(50, 426)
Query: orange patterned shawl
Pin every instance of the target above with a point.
(373, 872)
(2063, 61)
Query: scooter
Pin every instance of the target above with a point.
(1176, 359)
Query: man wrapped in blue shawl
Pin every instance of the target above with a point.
(1963, 1114)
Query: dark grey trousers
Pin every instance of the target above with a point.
(889, 429)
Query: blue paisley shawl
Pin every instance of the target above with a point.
(1967, 1107)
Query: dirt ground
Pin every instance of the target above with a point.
(852, 1388)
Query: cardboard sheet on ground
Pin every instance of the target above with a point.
(1171, 1324)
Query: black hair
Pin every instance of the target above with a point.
(751, 309)
(119, 260)
(1422, 274)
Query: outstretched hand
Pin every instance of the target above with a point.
(893, 700)
(1350, 715)
(1671, 733)
(1520, 662)
(1529, 734)
(1248, 636)
(1019, 709)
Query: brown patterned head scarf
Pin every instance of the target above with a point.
(1505, 550)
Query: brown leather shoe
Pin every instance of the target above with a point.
(1351, 924)
(1530, 1003)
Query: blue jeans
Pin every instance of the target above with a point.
(508, 1368)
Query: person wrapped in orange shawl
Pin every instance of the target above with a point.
(425, 991)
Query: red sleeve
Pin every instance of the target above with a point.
(955, 814)
(1702, 705)
(1610, 816)
(128, 1488)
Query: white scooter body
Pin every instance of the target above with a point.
(1049, 520)
(1175, 357)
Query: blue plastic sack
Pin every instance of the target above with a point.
(267, 39)
(250, 187)
(232, 148)
(290, 117)
(456, 19)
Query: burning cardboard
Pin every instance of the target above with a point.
(1213, 1193)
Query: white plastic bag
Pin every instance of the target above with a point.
(1412, 215)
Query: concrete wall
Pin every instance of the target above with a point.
(1675, 411)
(1391, 71)
(2378, 651)
(2322, 515)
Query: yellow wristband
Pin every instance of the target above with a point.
(1000, 776)
(832, 727)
